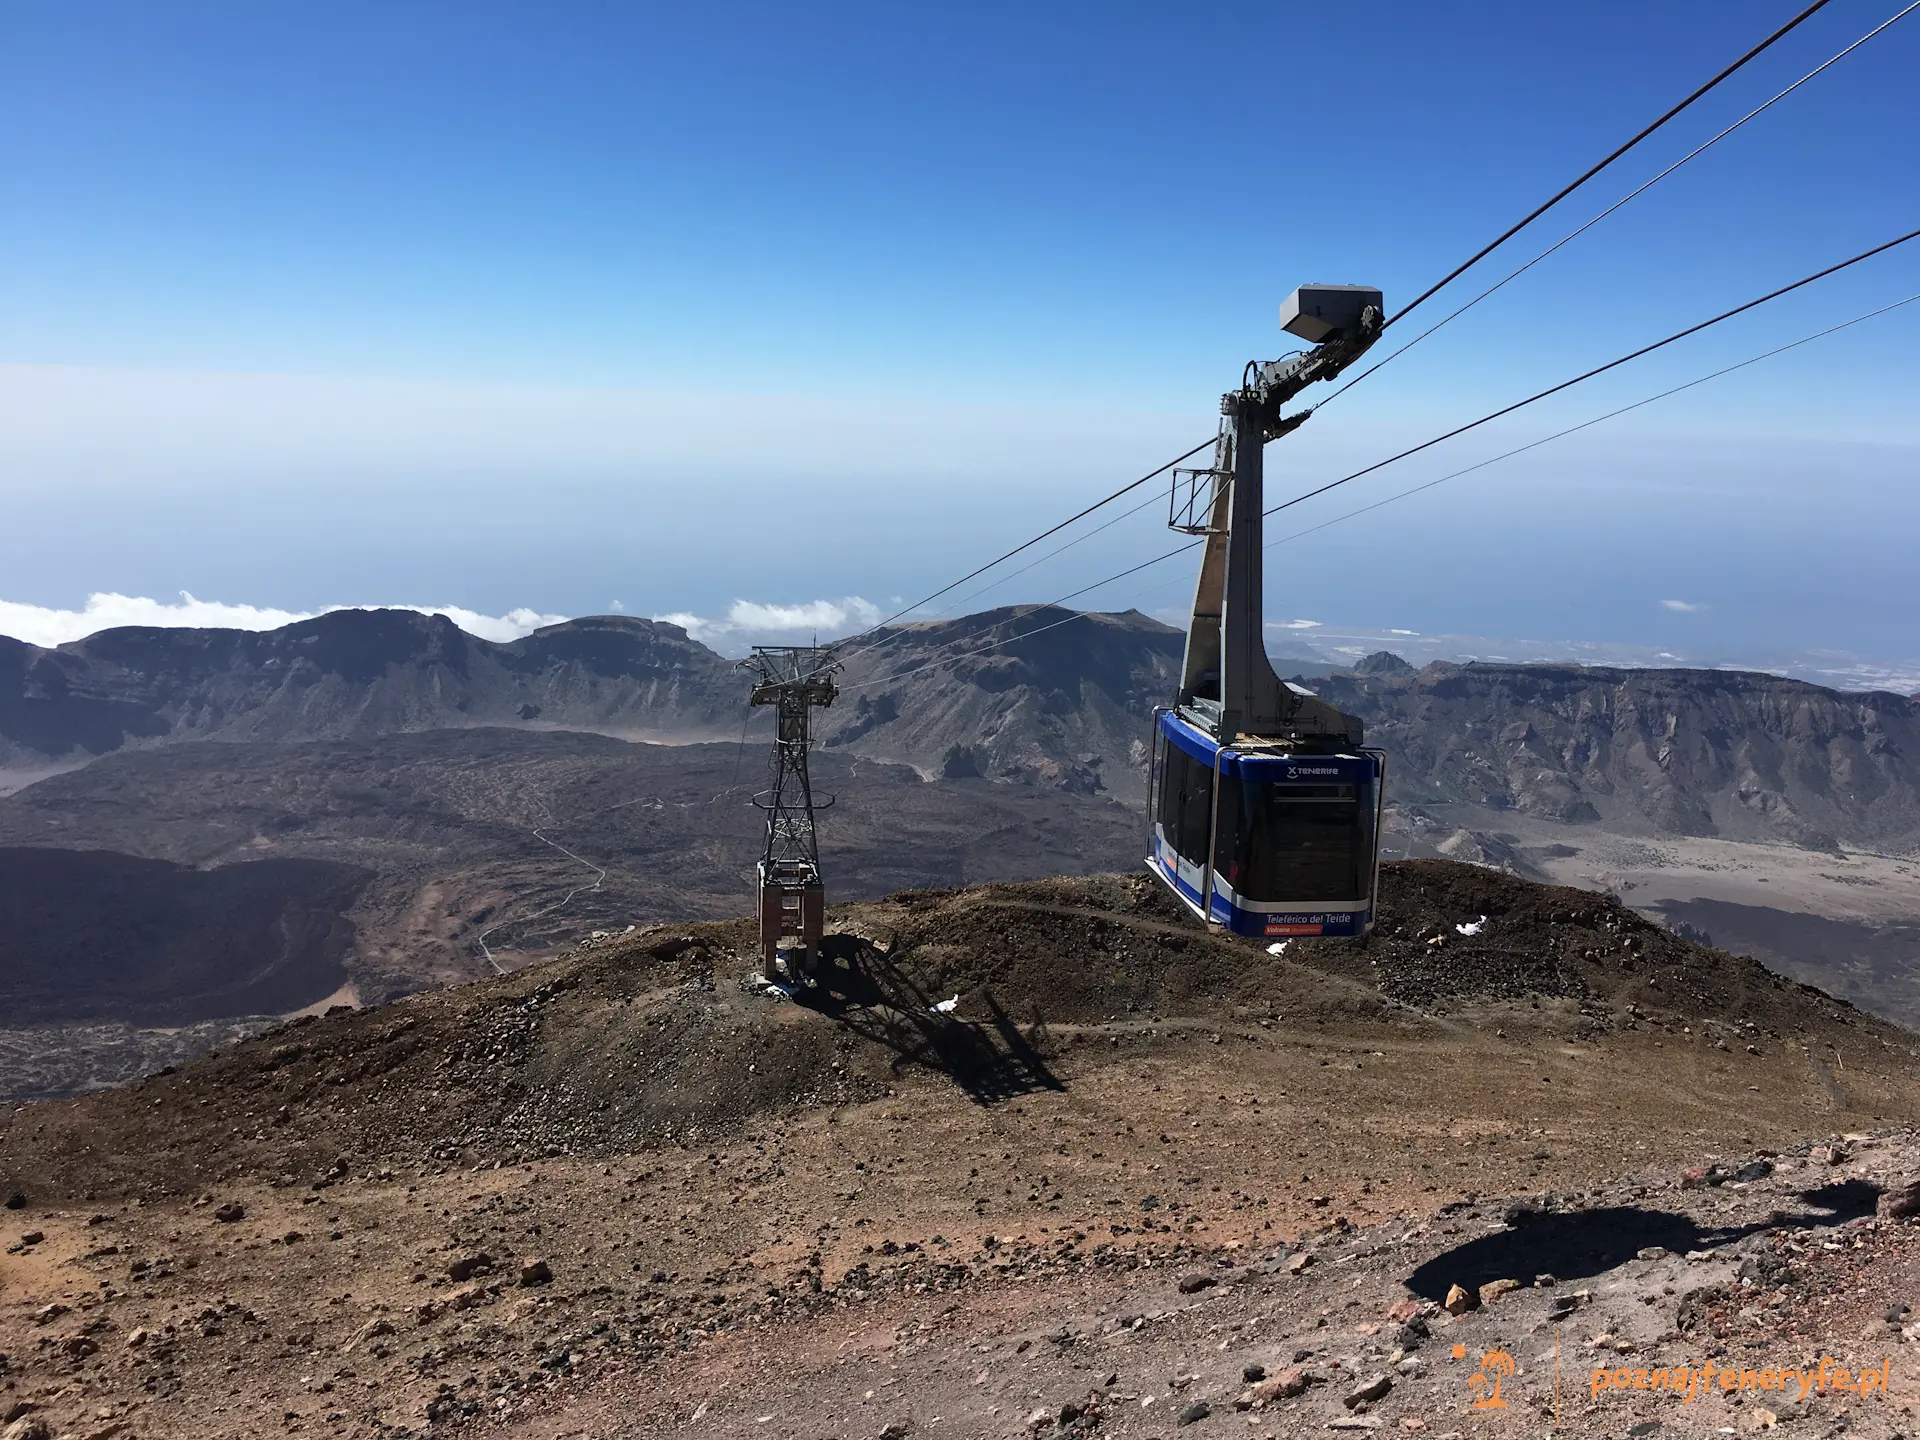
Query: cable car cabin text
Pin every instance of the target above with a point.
(1290, 848)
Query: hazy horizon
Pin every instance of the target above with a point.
(670, 312)
(747, 623)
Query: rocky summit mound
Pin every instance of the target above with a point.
(669, 1035)
(1038, 1134)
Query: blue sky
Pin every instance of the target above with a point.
(500, 305)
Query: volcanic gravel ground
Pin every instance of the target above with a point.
(589, 1197)
(1573, 1311)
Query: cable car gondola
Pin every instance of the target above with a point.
(1264, 805)
(1290, 847)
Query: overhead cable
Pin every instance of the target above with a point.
(1567, 190)
(1507, 455)
(1445, 280)
(1504, 410)
(1598, 419)
(1602, 369)
(1623, 200)
(1029, 544)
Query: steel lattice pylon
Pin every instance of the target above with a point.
(794, 679)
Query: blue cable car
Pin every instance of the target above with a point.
(1285, 841)
(1263, 804)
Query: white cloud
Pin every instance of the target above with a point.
(747, 619)
(1685, 607)
(816, 615)
(1297, 624)
(46, 626)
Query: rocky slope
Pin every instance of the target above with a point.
(630, 1191)
(1689, 752)
(1020, 693)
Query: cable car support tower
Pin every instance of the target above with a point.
(794, 680)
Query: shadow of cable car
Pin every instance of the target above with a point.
(1579, 1244)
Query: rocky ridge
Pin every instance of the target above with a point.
(1036, 695)
(1686, 752)
(358, 673)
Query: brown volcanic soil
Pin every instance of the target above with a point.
(720, 1179)
(94, 935)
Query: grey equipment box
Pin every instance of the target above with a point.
(1313, 312)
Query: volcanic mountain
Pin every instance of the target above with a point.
(1042, 695)
(357, 673)
(1034, 695)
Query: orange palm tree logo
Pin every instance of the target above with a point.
(1495, 1366)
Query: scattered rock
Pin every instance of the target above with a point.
(32, 1237)
(47, 1314)
(15, 1201)
(535, 1272)
(1402, 1311)
(138, 1336)
(1263, 1392)
(1252, 1373)
(896, 1431)
(1900, 1202)
(1696, 1305)
(1193, 1284)
(1370, 1390)
(1460, 1300)
(468, 1266)
(1753, 1170)
(1494, 1289)
(1296, 1264)
(228, 1213)
(1198, 1410)
(30, 1428)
